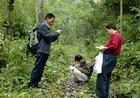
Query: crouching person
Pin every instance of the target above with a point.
(81, 70)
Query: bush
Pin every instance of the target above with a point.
(126, 74)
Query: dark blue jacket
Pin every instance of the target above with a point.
(45, 38)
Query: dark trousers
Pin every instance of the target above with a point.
(37, 71)
(103, 79)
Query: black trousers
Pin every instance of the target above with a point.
(103, 79)
(37, 71)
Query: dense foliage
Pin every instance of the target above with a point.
(84, 24)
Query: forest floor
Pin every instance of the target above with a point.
(73, 89)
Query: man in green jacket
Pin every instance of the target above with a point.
(81, 70)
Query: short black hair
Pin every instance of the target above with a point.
(78, 57)
(111, 26)
(49, 15)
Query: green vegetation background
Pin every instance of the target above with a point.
(84, 24)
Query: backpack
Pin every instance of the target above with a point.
(32, 41)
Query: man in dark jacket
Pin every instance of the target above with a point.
(43, 49)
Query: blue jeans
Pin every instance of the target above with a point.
(37, 71)
(102, 88)
(103, 79)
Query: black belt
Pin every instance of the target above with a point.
(108, 52)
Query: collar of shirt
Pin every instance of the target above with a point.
(113, 34)
(47, 24)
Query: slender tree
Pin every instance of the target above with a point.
(10, 8)
(121, 15)
(39, 11)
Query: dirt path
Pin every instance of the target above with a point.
(72, 89)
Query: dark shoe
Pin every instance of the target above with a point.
(32, 85)
(34, 88)
(78, 81)
(103, 97)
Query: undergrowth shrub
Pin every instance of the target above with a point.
(126, 76)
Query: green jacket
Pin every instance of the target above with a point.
(86, 69)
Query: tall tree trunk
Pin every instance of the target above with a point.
(121, 16)
(39, 11)
(7, 24)
(92, 3)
